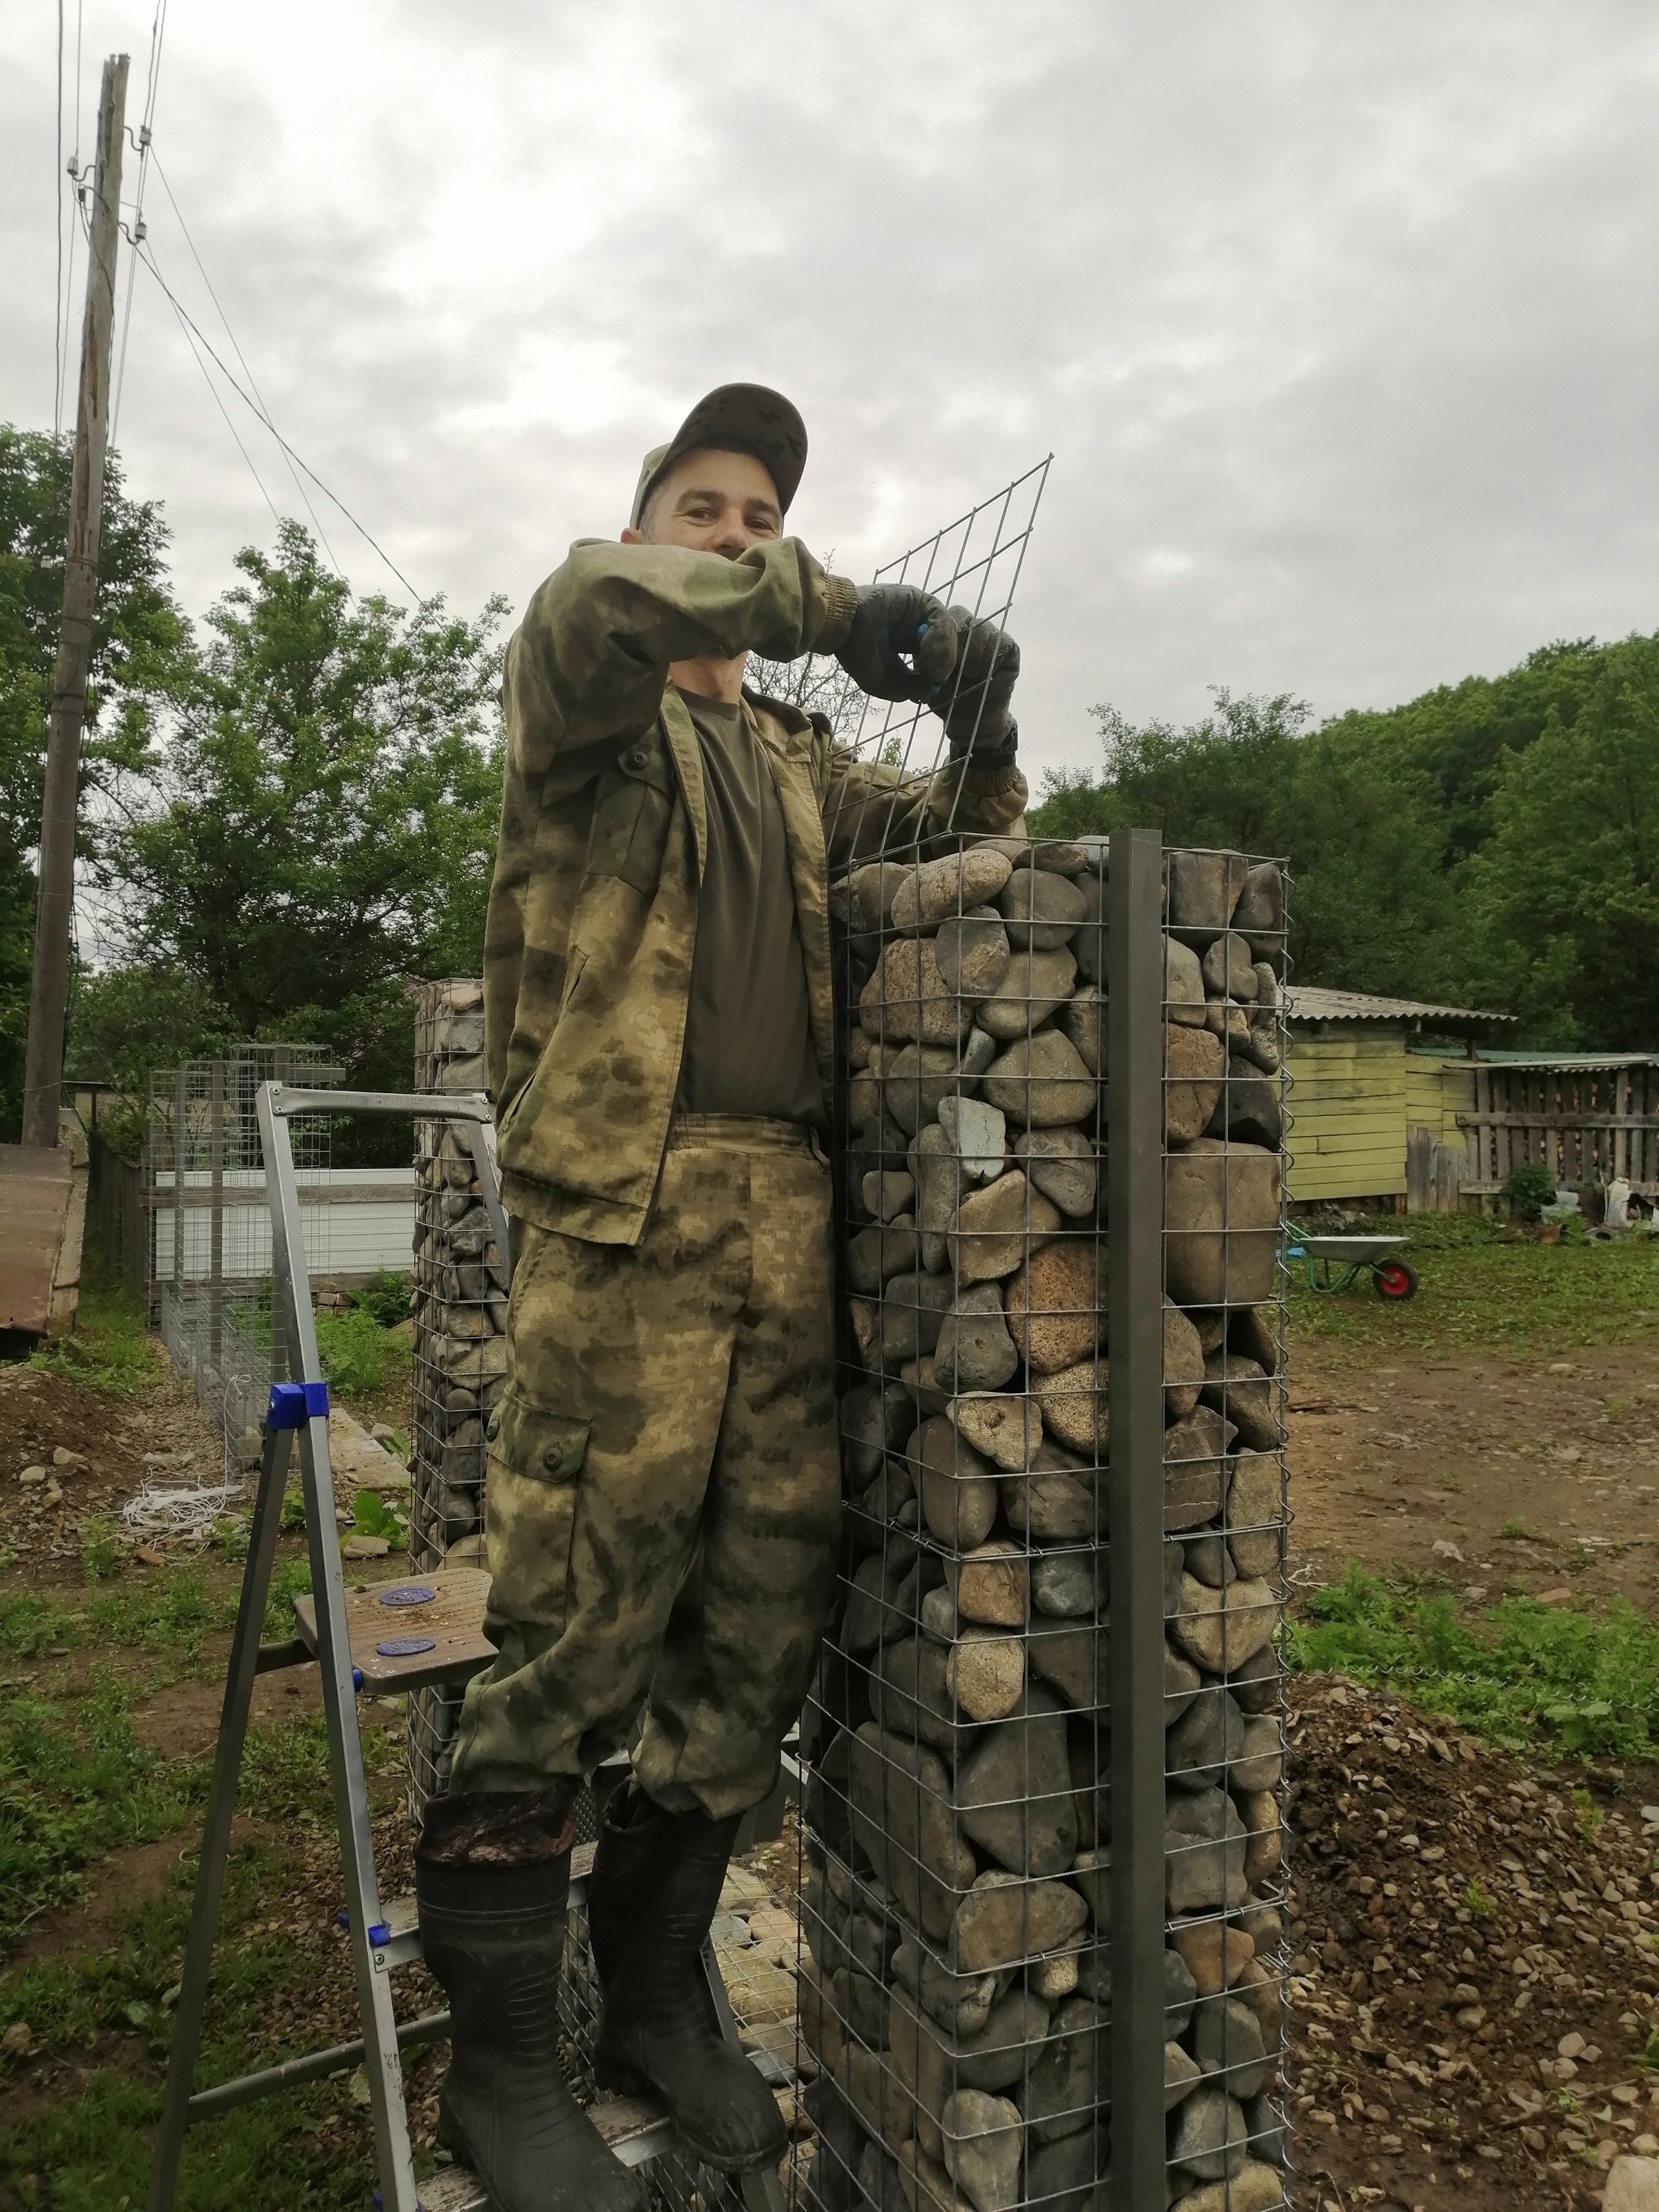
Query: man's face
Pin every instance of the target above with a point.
(712, 502)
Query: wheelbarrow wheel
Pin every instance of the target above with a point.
(1393, 1278)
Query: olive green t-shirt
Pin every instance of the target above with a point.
(748, 1036)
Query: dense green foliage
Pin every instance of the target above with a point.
(1494, 842)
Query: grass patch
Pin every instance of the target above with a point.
(1480, 1286)
(175, 1616)
(358, 1355)
(1528, 1677)
(111, 1350)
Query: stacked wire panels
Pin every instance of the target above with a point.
(957, 1752)
(460, 1306)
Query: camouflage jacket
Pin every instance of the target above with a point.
(593, 907)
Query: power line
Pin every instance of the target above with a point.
(148, 257)
(187, 327)
(263, 410)
(157, 33)
(57, 302)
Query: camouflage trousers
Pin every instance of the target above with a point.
(663, 1502)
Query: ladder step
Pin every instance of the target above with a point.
(637, 2129)
(446, 1629)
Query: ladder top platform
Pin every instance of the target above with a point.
(401, 1640)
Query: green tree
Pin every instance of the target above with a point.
(321, 819)
(140, 646)
(1565, 893)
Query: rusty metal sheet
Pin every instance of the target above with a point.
(35, 1197)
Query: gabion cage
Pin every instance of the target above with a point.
(983, 1863)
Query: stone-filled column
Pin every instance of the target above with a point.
(460, 1306)
(957, 1891)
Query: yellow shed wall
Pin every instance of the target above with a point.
(1438, 1089)
(1348, 1100)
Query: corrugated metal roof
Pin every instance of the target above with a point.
(1305, 1002)
(1497, 1058)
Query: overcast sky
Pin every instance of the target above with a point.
(1339, 320)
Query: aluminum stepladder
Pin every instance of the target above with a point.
(338, 1633)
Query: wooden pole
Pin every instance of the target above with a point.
(55, 901)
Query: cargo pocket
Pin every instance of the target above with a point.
(536, 1461)
(631, 812)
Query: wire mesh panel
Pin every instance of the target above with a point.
(958, 1886)
(459, 1305)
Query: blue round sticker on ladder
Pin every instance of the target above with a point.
(405, 1647)
(408, 1594)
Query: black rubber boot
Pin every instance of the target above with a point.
(650, 1898)
(493, 1933)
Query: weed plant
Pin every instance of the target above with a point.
(111, 1350)
(1545, 1679)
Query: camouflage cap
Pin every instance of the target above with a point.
(740, 418)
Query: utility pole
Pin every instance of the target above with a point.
(55, 904)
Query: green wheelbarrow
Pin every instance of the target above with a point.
(1334, 1262)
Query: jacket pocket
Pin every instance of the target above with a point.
(541, 1446)
(631, 812)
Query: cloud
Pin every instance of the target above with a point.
(1335, 320)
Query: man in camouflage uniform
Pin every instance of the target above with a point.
(662, 1496)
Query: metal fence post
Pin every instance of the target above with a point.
(1134, 1124)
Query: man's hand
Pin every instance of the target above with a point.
(974, 698)
(902, 644)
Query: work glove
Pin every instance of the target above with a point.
(902, 643)
(975, 698)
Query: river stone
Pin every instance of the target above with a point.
(1040, 1081)
(1264, 1048)
(1253, 1331)
(1061, 1162)
(1222, 1214)
(958, 1490)
(1085, 1022)
(918, 1376)
(1229, 1022)
(1204, 1845)
(1208, 1559)
(1242, 1394)
(1210, 2136)
(1074, 1661)
(1072, 2175)
(888, 1192)
(1182, 1683)
(1264, 1851)
(915, 1081)
(861, 2001)
(867, 1612)
(972, 951)
(874, 1419)
(989, 1583)
(1003, 1921)
(1194, 1470)
(1217, 1629)
(1056, 1303)
(938, 1174)
(986, 1674)
(978, 1136)
(975, 1351)
(1183, 984)
(1070, 2076)
(1075, 1406)
(1268, 2144)
(1194, 1064)
(1201, 1746)
(908, 999)
(1215, 1951)
(995, 1227)
(952, 885)
(887, 1248)
(913, 1310)
(1258, 1682)
(1014, 1791)
(1247, 1107)
(1253, 2188)
(1259, 1763)
(1041, 910)
(1229, 971)
(1204, 888)
(1180, 2075)
(1055, 1978)
(1063, 1584)
(1183, 1364)
(961, 2003)
(1054, 1506)
(902, 1821)
(982, 2144)
(1006, 1428)
(1034, 986)
(1259, 914)
(873, 888)
(909, 1697)
(933, 2063)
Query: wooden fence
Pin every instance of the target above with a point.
(1584, 1124)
